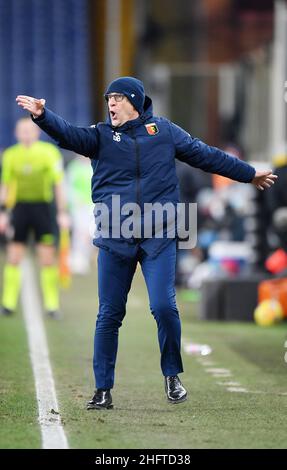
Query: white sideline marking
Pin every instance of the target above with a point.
(53, 435)
(203, 362)
(237, 389)
(217, 372)
(219, 376)
(229, 384)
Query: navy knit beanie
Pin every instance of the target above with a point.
(132, 88)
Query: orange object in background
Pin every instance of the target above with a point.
(219, 182)
(274, 289)
(276, 262)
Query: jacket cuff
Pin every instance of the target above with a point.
(252, 173)
(39, 118)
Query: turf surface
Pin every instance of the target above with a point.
(19, 427)
(211, 418)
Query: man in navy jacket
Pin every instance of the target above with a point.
(133, 157)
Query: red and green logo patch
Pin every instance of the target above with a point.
(152, 128)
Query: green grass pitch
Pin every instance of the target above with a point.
(211, 418)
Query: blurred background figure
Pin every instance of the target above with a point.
(230, 199)
(31, 171)
(278, 202)
(78, 178)
(276, 215)
(192, 181)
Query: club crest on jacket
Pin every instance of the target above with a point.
(152, 128)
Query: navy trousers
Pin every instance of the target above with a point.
(114, 281)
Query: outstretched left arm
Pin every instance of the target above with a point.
(196, 153)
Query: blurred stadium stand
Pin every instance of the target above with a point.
(46, 54)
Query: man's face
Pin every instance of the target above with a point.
(26, 132)
(120, 109)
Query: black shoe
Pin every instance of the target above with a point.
(175, 391)
(101, 400)
(7, 312)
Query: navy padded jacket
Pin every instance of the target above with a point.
(138, 165)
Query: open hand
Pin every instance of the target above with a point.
(264, 179)
(33, 105)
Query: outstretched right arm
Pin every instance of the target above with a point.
(82, 140)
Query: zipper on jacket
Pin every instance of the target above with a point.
(137, 168)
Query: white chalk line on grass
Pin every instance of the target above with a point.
(53, 435)
(229, 384)
(237, 389)
(216, 372)
(220, 372)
